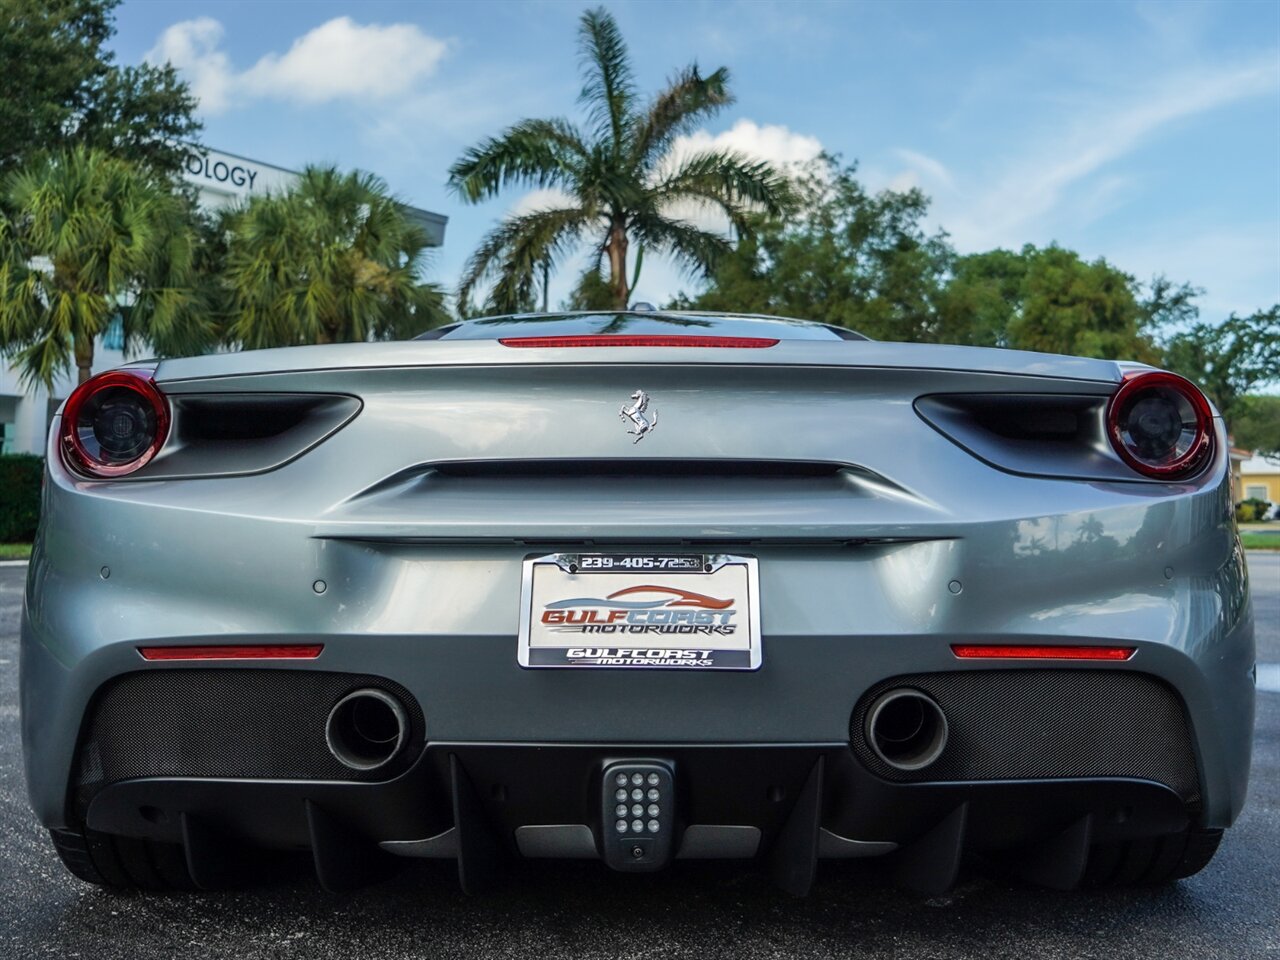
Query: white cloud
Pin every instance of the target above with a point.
(550, 198)
(192, 47)
(341, 58)
(922, 167)
(337, 60)
(773, 142)
(784, 148)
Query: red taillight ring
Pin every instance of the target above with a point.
(140, 382)
(1195, 455)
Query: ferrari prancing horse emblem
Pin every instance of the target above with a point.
(638, 416)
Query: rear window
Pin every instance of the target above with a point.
(637, 324)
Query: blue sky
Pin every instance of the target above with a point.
(1148, 133)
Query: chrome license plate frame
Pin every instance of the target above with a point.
(640, 611)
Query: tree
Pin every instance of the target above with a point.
(843, 257)
(622, 181)
(333, 260)
(982, 296)
(1257, 424)
(1229, 359)
(60, 88)
(592, 292)
(1051, 300)
(1085, 309)
(92, 236)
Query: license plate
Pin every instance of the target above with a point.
(645, 611)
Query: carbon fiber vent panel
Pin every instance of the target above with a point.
(1037, 724)
(227, 722)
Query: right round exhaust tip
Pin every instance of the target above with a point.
(366, 729)
(906, 729)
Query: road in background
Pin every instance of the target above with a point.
(550, 911)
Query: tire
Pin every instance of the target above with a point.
(122, 863)
(1151, 861)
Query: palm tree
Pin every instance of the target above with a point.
(623, 183)
(332, 260)
(90, 237)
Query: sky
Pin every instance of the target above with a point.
(1146, 133)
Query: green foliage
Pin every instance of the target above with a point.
(985, 293)
(622, 182)
(592, 292)
(332, 260)
(845, 257)
(59, 88)
(1050, 300)
(90, 232)
(1256, 424)
(20, 479)
(866, 261)
(1084, 309)
(1229, 359)
(1251, 510)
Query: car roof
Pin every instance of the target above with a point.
(639, 322)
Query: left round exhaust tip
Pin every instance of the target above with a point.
(366, 729)
(906, 729)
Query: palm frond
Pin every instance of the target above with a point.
(608, 90)
(88, 231)
(728, 180)
(516, 251)
(688, 99)
(699, 250)
(333, 260)
(536, 153)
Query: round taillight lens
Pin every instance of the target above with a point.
(1161, 425)
(114, 424)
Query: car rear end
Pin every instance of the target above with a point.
(450, 599)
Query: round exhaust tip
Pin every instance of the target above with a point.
(906, 729)
(366, 729)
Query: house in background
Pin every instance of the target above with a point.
(221, 180)
(1260, 479)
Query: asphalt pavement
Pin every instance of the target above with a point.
(548, 911)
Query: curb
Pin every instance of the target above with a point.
(13, 563)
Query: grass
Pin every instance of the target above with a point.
(15, 551)
(1260, 541)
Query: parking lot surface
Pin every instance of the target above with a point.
(1231, 910)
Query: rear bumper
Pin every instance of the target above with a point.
(1120, 564)
(806, 693)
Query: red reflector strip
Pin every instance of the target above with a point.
(984, 652)
(292, 651)
(639, 340)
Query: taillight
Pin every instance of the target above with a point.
(988, 651)
(276, 651)
(1160, 425)
(114, 423)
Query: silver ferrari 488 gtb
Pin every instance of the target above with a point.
(637, 586)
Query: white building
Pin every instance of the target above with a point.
(221, 179)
